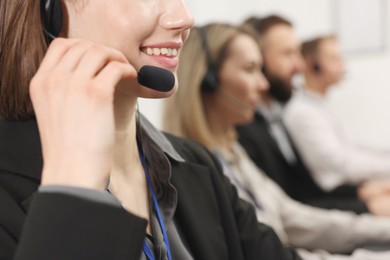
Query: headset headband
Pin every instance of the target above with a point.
(210, 80)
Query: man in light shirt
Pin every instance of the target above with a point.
(332, 159)
(266, 140)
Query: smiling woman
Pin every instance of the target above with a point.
(82, 174)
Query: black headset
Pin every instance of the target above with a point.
(210, 80)
(316, 67)
(52, 16)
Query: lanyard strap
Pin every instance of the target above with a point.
(147, 251)
(146, 248)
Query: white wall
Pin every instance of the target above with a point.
(361, 101)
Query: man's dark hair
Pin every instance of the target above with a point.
(262, 25)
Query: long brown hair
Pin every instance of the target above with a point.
(22, 47)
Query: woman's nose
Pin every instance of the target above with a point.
(177, 16)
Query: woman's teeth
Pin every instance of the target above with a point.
(161, 51)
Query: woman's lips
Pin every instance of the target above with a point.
(165, 55)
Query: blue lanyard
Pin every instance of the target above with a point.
(145, 247)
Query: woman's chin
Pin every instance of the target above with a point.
(246, 120)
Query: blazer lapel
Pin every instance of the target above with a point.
(197, 213)
(11, 215)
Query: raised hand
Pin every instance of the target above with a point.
(72, 94)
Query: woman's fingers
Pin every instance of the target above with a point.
(112, 73)
(80, 64)
(96, 58)
(55, 52)
(71, 57)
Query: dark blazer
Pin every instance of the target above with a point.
(295, 179)
(212, 220)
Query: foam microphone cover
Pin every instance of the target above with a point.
(156, 78)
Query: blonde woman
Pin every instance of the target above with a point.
(221, 82)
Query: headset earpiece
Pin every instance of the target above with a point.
(210, 80)
(316, 67)
(52, 18)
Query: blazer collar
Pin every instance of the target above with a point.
(151, 135)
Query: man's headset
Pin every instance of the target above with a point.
(52, 18)
(316, 67)
(210, 80)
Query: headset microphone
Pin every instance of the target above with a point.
(156, 78)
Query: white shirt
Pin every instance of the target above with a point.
(325, 147)
(299, 225)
